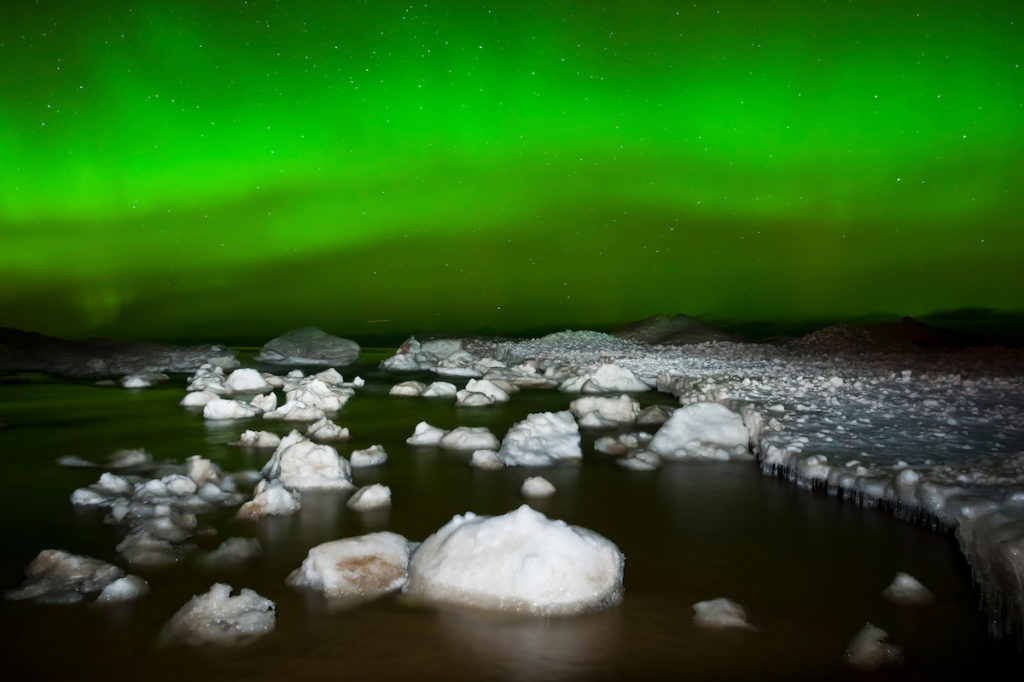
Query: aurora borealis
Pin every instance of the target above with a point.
(227, 170)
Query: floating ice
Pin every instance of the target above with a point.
(439, 389)
(325, 429)
(258, 439)
(296, 411)
(537, 487)
(519, 562)
(300, 463)
(608, 378)
(702, 431)
(622, 444)
(232, 553)
(655, 414)
(469, 438)
(55, 576)
(220, 408)
(271, 498)
(202, 470)
(217, 618)
(409, 389)
(124, 589)
(491, 391)
(143, 380)
(907, 591)
(542, 439)
(198, 398)
(368, 498)
(266, 402)
(640, 460)
(368, 457)
(720, 613)
(425, 434)
(597, 412)
(246, 381)
(486, 459)
(473, 399)
(362, 567)
(868, 650)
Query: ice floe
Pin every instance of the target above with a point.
(309, 346)
(325, 429)
(369, 498)
(410, 389)
(425, 434)
(219, 619)
(232, 553)
(58, 577)
(246, 380)
(907, 591)
(702, 431)
(542, 439)
(537, 487)
(300, 463)
(222, 408)
(598, 412)
(609, 378)
(368, 457)
(486, 459)
(469, 438)
(356, 568)
(720, 613)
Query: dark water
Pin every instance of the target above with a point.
(808, 568)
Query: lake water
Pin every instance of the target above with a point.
(808, 568)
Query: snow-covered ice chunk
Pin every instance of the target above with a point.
(123, 589)
(410, 389)
(488, 388)
(440, 389)
(325, 429)
(198, 398)
(655, 414)
(296, 411)
(702, 431)
(55, 576)
(143, 380)
(368, 498)
(300, 463)
(542, 439)
(640, 460)
(520, 562)
(265, 401)
(598, 412)
(868, 649)
(368, 457)
(315, 393)
(538, 487)
(217, 618)
(258, 439)
(202, 470)
(221, 408)
(231, 553)
(127, 459)
(246, 381)
(362, 567)
(469, 438)
(720, 613)
(425, 434)
(473, 399)
(270, 498)
(486, 459)
(907, 591)
(622, 444)
(609, 378)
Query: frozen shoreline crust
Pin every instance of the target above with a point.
(934, 436)
(520, 562)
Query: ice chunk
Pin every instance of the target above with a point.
(439, 389)
(609, 378)
(640, 460)
(315, 393)
(358, 568)
(469, 438)
(258, 439)
(266, 402)
(868, 650)
(409, 389)
(198, 398)
(425, 434)
(370, 497)
(143, 380)
(325, 429)
(520, 562)
(542, 439)
(655, 414)
(232, 553)
(369, 457)
(488, 388)
(300, 463)
(126, 459)
(60, 577)
(720, 613)
(202, 470)
(270, 498)
(702, 431)
(123, 589)
(907, 591)
(217, 618)
(537, 486)
(296, 411)
(486, 459)
(221, 408)
(473, 399)
(246, 381)
(598, 412)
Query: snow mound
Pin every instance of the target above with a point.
(368, 457)
(270, 498)
(410, 389)
(124, 589)
(221, 408)
(425, 434)
(362, 567)
(702, 431)
(439, 389)
(198, 398)
(216, 618)
(469, 438)
(325, 429)
(907, 591)
(258, 439)
(300, 463)
(542, 439)
(369, 498)
(481, 392)
(868, 650)
(246, 381)
(537, 487)
(58, 577)
(266, 402)
(598, 412)
(520, 562)
(720, 613)
(143, 380)
(486, 459)
(296, 411)
(609, 378)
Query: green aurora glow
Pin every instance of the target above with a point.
(228, 170)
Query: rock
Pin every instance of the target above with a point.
(542, 439)
(720, 613)
(678, 330)
(537, 487)
(309, 346)
(469, 438)
(655, 414)
(216, 618)
(325, 429)
(369, 498)
(702, 431)
(359, 568)
(520, 562)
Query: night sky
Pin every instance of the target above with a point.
(228, 170)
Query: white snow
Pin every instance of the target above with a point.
(519, 562)
(410, 389)
(479, 393)
(702, 431)
(537, 487)
(296, 411)
(640, 460)
(425, 434)
(368, 457)
(123, 589)
(221, 408)
(469, 438)
(217, 618)
(266, 402)
(868, 650)
(271, 498)
(362, 567)
(486, 459)
(325, 429)
(609, 378)
(198, 398)
(907, 591)
(542, 439)
(300, 463)
(369, 498)
(598, 412)
(246, 381)
(720, 613)
(439, 389)
(258, 439)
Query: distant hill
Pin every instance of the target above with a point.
(679, 330)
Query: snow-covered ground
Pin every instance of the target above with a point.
(935, 436)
